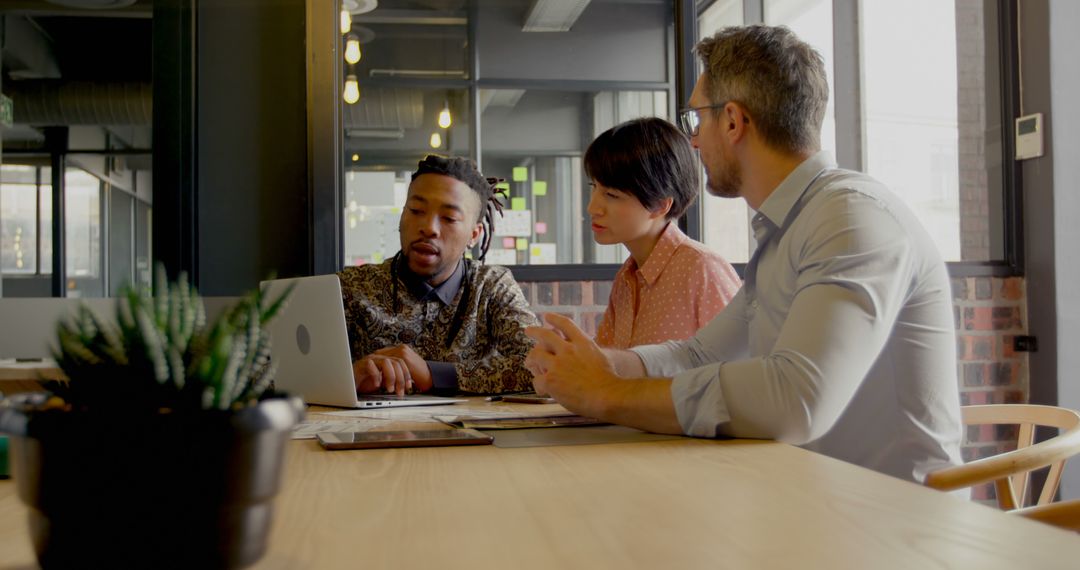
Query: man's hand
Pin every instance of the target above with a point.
(417, 367)
(568, 365)
(375, 373)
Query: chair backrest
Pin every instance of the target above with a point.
(1065, 514)
(1011, 471)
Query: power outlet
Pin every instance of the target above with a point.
(1023, 343)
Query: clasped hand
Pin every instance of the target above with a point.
(567, 364)
(394, 369)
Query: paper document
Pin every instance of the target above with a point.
(307, 430)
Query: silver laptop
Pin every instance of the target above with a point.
(311, 347)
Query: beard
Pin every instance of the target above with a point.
(725, 182)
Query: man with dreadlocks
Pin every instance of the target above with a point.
(430, 320)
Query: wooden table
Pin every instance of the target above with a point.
(26, 376)
(673, 504)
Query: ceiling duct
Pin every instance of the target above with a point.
(386, 108)
(93, 4)
(27, 52)
(553, 15)
(57, 103)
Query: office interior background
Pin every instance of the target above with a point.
(232, 139)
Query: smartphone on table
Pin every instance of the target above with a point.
(402, 438)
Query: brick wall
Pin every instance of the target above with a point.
(989, 312)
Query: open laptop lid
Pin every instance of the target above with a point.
(311, 347)
(310, 342)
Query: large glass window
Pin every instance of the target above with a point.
(83, 236)
(929, 143)
(25, 220)
(19, 206)
(931, 132)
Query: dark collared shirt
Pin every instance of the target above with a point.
(486, 354)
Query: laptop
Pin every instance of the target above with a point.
(311, 348)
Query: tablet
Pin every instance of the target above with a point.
(401, 438)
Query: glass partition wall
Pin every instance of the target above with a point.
(522, 87)
(78, 82)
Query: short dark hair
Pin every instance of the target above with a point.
(778, 78)
(465, 170)
(648, 158)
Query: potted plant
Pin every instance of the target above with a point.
(165, 445)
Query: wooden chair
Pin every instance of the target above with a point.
(1065, 514)
(1011, 471)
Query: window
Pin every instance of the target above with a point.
(527, 89)
(931, 132)
(928, 144)
(25, 220)
(83, 235)
(725, 221)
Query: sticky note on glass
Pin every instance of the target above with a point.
(541, 228)
(509, 243)
(503, 186)
(539, 188)
(522, 244)
(377, 257)
(517, 203)
(521, 174)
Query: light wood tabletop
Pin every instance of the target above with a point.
(26, 376)
(680, 503)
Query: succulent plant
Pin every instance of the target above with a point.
(161, 355)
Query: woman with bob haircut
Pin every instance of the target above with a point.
(643, 177)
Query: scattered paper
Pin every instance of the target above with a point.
(307, 430)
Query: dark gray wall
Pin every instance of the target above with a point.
(1063, 141)
(611, 41)
(251, 143)
(1038, 182)
(542, 123)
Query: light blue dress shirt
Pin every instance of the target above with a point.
(841, 339)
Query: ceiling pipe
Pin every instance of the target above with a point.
(58, 103)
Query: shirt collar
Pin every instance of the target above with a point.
(670, 240)
(777, 206)
(423, 291)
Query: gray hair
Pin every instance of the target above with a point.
(777, 77)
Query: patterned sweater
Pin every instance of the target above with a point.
(487, 352)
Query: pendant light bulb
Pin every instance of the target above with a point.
(352, 51)
(352, 89)
(436, 140)
(346, 21)
(444, 116)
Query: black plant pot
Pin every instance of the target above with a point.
(152, 490)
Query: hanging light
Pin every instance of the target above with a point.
(352, 89)
(346, 21)
(356, 158)
(444, 116)
(436, 140)
(352, 50)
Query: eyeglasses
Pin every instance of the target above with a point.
(690, 118)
